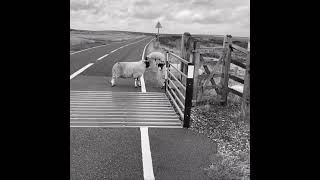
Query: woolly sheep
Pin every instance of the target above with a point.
(129, 70)
(158, 57)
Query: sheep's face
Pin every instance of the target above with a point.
(147, 63)
(159, 63)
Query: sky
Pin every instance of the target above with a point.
(213, 17)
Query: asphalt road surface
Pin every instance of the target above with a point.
(128, 152)
(97, 77)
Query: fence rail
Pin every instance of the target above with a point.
(190, 48)
(192, 84)
(181, 101)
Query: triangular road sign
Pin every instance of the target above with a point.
(158, 25)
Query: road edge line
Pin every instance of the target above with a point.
(143, 85)
(100, 58)
(146, 155)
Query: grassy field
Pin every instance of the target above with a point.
(174, 41)
(83, 39)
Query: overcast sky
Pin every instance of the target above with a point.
(217, 17)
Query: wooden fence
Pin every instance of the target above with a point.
(190, 50)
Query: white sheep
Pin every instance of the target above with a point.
(129, 70)
(158, 57)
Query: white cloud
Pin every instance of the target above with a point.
(176, 16)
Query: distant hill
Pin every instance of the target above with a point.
(113, 31)
(202, 36)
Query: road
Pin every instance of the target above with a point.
(97, 77)
(128, 152)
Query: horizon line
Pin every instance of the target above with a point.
(155, 32)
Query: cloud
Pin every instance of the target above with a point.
(78, 5)
(176, 16)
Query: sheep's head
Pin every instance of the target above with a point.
(159, 62)
(158, 58)
(160, 65)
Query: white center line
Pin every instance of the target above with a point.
(90, 64)
(89, 48)
(146, 155)
(80, 70)
(119, 48)
(102, 57)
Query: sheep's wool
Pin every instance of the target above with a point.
(157, 55)
(128, 69)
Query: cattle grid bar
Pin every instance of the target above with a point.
(181, 101)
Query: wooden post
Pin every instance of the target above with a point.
(224, 41)
(185, 53)
(189, 92)
(225, 70)
(245, 105)
(196, 62)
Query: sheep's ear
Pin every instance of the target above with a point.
(146, 58)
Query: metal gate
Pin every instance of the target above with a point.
(181, 96)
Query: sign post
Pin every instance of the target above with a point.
(158, 26)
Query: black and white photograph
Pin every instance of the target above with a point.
(159, 89)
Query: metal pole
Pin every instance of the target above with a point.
(189, 92)
(166, 71)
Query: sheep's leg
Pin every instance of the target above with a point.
(113, 81)
(135, 82)
(139, 81)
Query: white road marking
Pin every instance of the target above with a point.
(90, 64)
(146, 155)
(143, 85)
(119, 48)
(102, 57)
(80, 70)
(93, 48)
(90, 48)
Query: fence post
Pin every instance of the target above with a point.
(189, 92)
(196, 62)
(185, 53)
(245, 105)
(224, 41)
(225, 70)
